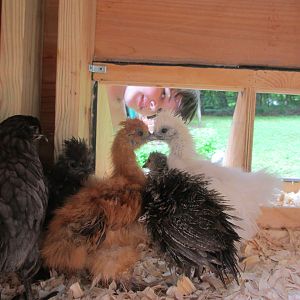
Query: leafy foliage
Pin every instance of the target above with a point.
(223, 103)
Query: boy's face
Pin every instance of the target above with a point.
(148, 100)
(144, 100)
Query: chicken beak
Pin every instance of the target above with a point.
(152, 137)
(143, 218)
(40, 136)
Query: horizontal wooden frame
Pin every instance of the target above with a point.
(200, 77)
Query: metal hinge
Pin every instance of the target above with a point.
(97, 69)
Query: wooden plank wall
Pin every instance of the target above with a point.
(48, 79)
(21, 24)
(219, 32)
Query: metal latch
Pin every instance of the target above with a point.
(97, 69)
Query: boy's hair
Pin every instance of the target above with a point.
(190, 99)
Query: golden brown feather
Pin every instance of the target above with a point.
(97, 228)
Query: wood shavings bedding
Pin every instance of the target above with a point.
(270, 270)
(288, 199)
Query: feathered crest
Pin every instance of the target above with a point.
(131, 124)
(77, 149)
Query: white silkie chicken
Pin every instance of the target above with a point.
(246, 192)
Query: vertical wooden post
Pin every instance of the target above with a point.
(104, 136)
(76, 33)
(48, 79)
(116, 103)
(21, 24)
(239, 149)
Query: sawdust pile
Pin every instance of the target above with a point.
(289, 199)
(270, 270)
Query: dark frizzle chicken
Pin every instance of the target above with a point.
(69, 173)
(23, 197)
(189, 221)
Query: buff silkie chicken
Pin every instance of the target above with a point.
(23, 198)
(97, 228)
(189, 221)
(244, 191)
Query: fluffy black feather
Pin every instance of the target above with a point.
(69, 173)
(189, 221)
(23, 197)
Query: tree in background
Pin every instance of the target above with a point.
(222, 103)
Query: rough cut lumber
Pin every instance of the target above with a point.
(104, 134)
(239, 149)
(76, 24)
(219, 32)
(202, 78)
(20, 48)
(279, 217)
(48, 79)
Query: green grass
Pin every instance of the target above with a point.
(276, 145)
(276, 142)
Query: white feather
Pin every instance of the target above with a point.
(245, 192)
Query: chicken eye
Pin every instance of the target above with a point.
(140, 133)
(164, 130)
(34, 128)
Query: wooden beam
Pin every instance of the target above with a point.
(239, 147)
(201, 78)
(116, 104)
(76, 24)
(174, 76)
(219, 32)
(291, 186)
(48, 80)
(21, 24)
(279, 217)
(104, 134)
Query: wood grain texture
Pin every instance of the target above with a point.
(76, 24)
(219, 32)
(116, 104)
(104, 134)
(293, 186)
(202, 78)
(21, 24)
(239, 147)
(48, 78)
(279, 217)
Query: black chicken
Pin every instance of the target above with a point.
(69, 173)
(23, 197)
(189, 221)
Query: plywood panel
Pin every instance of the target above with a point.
(211, 32)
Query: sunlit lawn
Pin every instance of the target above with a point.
(276, 142)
